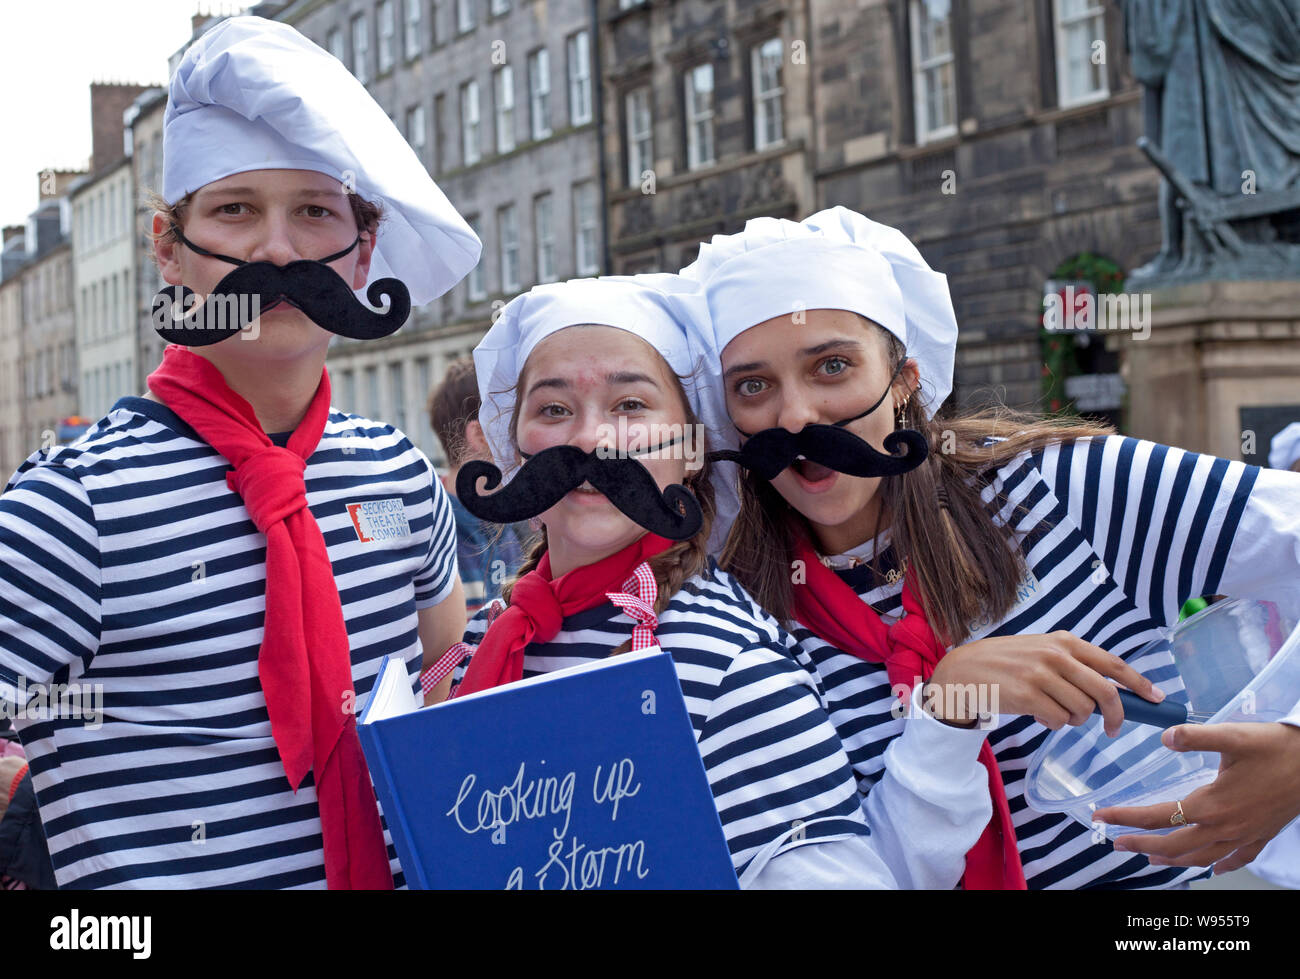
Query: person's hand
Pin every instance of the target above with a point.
(1057, 678)
(1256, 793)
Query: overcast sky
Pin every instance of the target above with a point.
(50, 52)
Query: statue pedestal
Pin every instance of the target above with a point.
(1214, 348)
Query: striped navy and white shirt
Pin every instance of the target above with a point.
(1117, 534)
(129, 568)
(773, 759)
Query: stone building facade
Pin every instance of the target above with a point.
(708, 122)
(49, 361)
(13, 412)
(145, 123)
(498, 98)
(103, 247)
(1000, 136)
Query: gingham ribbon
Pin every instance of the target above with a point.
(456, 652)
(637, 599)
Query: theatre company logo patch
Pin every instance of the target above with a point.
(379, 520)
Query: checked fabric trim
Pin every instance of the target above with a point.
(637, 599)
(456, 652)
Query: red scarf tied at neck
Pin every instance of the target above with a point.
(539, 605)
(909, 648)
(305, 662)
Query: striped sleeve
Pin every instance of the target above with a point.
(474, 632)
(49, 579)
(436, 578)
(774, 761)
(1169, 525)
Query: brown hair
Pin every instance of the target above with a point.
(453, 404)
(962, 564)
(367, 214)
(671, 567)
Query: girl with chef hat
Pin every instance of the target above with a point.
(589, 396)
(981, 552)
(228, 560)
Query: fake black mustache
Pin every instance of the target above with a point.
(545, 478)
(313, 287)
(768, 453)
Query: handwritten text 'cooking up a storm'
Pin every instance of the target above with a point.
(569, 863)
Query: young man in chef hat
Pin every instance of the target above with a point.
(226, 561)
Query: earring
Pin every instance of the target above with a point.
(902, 411)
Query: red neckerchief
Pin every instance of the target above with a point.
(306, 693)
(908, 648)
(538, 607)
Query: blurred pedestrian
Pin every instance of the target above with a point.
(487, 553)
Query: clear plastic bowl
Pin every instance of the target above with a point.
(1237, 660)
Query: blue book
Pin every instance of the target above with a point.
(582, 778)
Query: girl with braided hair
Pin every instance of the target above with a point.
(590, 384)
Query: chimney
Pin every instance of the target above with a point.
(107, 103)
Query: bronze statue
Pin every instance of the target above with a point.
(1222, 120)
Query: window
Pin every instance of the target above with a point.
(474, 283)
(427, 440)
(464, 16)
(397, 392)
(1079, 25)
(387, 36)
(411, 39)
(544, 236)
(348, 391)
(629, 4)
(360, 49)
(640, 150)
(699, 116)
(503, 82)
(586, 228)
(508, 233)
(374, 408)
(765, 66)
(439, 133)
(334, 44)
(579, 79)
(469, 138)
(539, 93)
(932, 69)
(499, 7)
(415, 131)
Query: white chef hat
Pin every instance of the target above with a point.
(254, 94)
(668, 312)
(835, 259)
(1285, 449)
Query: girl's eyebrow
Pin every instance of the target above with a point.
(839, 343)
(631, 377)
(254, 192)
(617, 377)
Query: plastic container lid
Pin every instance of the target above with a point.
(1237, 660)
